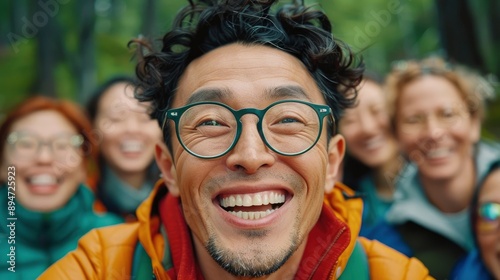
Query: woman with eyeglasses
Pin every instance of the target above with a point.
(437, 109)
(483, 262)
(47, 150)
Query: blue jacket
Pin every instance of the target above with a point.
(471, 267)
(374, 206)
(416, 228)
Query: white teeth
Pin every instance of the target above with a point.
(374, 142)
(248, 200)
(132, 146)
(265, 199)
(251, 215)
(44, 179)
(437, 153)
(238, 201)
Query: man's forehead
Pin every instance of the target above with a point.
(236, 67)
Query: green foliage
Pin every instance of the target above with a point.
(374, 28)
(381, 30)
(17, 70)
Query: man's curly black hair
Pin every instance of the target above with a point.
(205, 25)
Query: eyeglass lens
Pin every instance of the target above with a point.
(28, 146)
(211, 129)
(489, 217)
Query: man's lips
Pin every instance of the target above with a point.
(252, 206)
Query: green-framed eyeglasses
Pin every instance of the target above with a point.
(211, 129)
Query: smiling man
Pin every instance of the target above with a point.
(247, 100)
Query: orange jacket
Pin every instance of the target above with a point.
(107, 253)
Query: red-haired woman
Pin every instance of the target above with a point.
(46, 148)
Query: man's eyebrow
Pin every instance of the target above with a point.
(218, 94)
(208, 94)
(287, 92)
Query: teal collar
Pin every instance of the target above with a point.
(120, 194)
(43, 229)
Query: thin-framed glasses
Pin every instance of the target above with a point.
(211, 129)
(445, 118)
(488, 217)
(26, 146)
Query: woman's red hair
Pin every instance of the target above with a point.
(71, 111)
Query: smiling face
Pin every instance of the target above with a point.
(366, 128)
(128, 133)
(45, 182)
(282, 195)
(489, 242)
(435, 128)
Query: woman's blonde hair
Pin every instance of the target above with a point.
(473, 88)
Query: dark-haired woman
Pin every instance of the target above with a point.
(127, 140)
(372, 161)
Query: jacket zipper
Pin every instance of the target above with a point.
(336, 262)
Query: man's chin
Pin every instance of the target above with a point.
(261, 264)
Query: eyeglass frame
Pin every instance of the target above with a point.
(481, 217)
(76, 141)
(175, 114)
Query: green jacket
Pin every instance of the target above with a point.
(35, 240)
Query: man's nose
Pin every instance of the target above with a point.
(250, 152)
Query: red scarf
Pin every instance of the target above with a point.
(326, 241)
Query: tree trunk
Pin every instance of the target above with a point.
(18, 10)
(46, 37)
(458, 33)
(494, 16)
(148, 19)
(86, 68)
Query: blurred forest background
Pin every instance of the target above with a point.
(65, 48)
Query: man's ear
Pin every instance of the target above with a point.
(167, 167)
(336, 150)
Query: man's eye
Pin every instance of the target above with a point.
(288, 120)
(210, 123)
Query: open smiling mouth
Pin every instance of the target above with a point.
(252, 206)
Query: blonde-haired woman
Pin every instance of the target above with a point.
(436, 110)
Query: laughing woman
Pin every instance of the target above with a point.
(437, 114)
(45, 150)
(128, 136)
(373, 160)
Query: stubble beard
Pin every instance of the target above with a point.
(260, 263)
